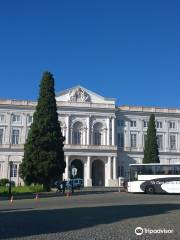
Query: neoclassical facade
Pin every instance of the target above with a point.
(101, 139)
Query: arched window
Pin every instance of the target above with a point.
(77, 133)
(98, 132)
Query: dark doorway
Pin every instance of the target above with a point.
(98, 173)
(80, 168)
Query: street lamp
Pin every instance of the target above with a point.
(73, 172)
(10, 171)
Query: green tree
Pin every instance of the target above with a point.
(151, 153)
(43, 151)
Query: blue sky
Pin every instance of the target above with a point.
(129, 50)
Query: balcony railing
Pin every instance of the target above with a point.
(12, 146)
(90, 147)
(66, 147)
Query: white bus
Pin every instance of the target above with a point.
(154, 178)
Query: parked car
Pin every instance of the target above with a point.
(77, 183)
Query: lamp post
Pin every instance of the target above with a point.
(73, 172)
(10, 170)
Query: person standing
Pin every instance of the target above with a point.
(63, 186)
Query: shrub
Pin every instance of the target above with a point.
(3, 182)
(21, 189)
(4, 190)
(36, 188)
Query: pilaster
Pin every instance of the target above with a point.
(66, 174)
(108, 131)
(88, 179)
(113, 130)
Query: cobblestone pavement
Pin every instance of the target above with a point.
(91, 216)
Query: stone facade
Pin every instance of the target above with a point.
(101, 138)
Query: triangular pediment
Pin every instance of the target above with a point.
(82, 95)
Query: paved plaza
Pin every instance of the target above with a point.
(91, 216)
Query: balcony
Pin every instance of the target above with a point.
(12, 146)
(90, 147)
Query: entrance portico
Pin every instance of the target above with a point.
(95, 170)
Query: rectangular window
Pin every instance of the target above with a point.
(13, 170)
(120, 122)
(172, 125)
(2, 118)
(97, 140)
(160, 141)
(30, 119)
(172, 142)
(15, 136)
(133, 140)
(159, 124)
(77, 137)
(120, 139)
(133, 123)
(16, 118)
(1, 136)
(145, 124)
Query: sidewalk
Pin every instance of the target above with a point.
(84, 191)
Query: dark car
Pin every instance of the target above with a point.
(77, 183)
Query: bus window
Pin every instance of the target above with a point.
(164, 169)
(146, 169)
(149, 170)
(177, 169)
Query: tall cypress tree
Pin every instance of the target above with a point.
(43, 151)
(151, 152)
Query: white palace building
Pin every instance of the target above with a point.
(102, 139)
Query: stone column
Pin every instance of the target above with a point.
(108, 131)
(88, 131)
(113, 130)
(127, 136)
(6, 167)
(66, 174)
(67, 131)
(125, 139)
(88, 180)
(114, 168)
(71, 136)
(8, 129)
(84, 133)
(24, 129)
(108, 177)
(91, 137)
(166, 136)
(140, 135)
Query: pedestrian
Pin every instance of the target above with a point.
(63, 186)
(58, 186)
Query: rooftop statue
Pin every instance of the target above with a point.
(79, 95)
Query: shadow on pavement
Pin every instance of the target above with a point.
(34, 222)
